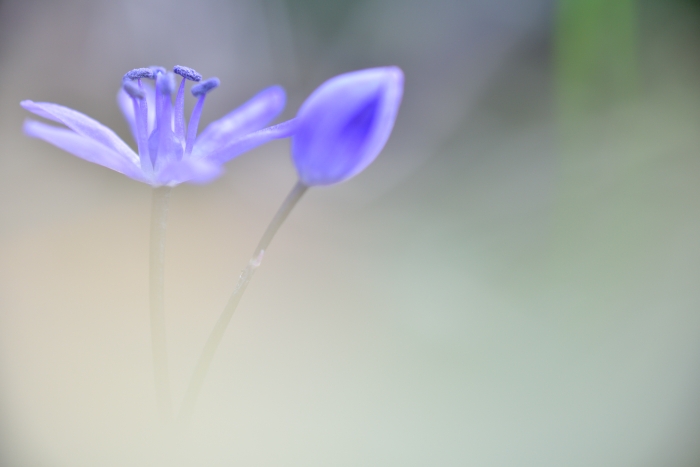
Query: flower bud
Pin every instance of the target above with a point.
(344, 124)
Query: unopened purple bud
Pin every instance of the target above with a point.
(138, 73)
(345, 123)
(187, 73)
(157, 70)
(205, 86)
(133, 90)
(166, 83)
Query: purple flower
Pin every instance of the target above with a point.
(345, 123)
(169, 150)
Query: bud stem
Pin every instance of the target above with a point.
(217, 333)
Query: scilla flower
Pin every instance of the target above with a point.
(169, 150)
(169, 153)
(344, 124)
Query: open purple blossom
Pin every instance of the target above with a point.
(344, 124)
(169, 150)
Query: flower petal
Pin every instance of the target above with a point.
(83, 125)
(127, 107)
(250, 141)
(345, 123)
(189, 170)
(84, 147)
(251, 116)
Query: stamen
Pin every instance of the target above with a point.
(138, 73)
(187, 73)
(200, 91)
(180, 111)
(205, 86)
(138, 98)
(134, 90)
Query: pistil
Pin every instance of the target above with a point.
(162, 138)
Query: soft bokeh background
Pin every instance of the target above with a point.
(515, 281)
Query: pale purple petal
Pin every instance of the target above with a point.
(250, 141)
(83, 125)
(249, 117)
(84, 147)
(189, 170)
(126, 105)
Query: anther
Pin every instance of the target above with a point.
(138, 73)
(187, 73)
(133, 90)
(205, 86)
(166, 84)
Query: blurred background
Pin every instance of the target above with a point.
(514, 281)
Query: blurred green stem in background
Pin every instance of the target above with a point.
(597, 207)
(596, 60)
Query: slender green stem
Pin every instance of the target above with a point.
(217, 333)
(159, 222)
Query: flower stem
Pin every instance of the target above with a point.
(159, 222)
(217, 333)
